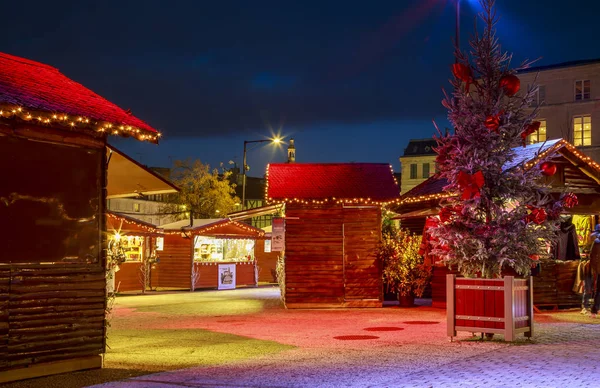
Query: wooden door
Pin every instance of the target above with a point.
(362, 271)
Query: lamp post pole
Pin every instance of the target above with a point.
(245, 166)
(458, 24)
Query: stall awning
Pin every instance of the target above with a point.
(128, 178)
(256, 212)
(418, 213)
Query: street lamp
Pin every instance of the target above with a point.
(275, 140)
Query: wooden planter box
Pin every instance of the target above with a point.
(499, 306)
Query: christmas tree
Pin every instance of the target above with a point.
(499, 214)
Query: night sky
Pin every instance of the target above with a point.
(349, 81)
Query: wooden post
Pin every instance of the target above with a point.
(450, 304)
(529, 333)
(509, 314)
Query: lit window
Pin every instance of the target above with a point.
(425, 170)
(413, 171)
(267, 246)
(538, 136)
(582, 90)
(582, 130)
(136, 207)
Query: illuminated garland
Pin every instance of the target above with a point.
(563, 143)
(47, 118)
(202, 230)
(137, 224)
(247, 262)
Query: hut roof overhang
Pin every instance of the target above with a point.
(128, 178)
(367, 183)
(581, 173)
(256, 212)
(215, 227)
(37, 93)
(123, 224)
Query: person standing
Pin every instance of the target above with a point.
(595, 269)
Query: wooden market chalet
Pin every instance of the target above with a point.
(54, 156)
(332, 230)
(575, 172)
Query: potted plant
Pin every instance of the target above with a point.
(499, 215)
(404, 272)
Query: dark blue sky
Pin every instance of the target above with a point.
(348, 80)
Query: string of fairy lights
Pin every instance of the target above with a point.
(65, 120)
(207, 229)
(129, 221)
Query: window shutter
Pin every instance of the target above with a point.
(542, 95)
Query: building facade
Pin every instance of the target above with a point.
(417, 162)
(568, 99)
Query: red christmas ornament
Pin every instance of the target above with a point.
(534, 257)
(471, 184)
(548, 168)
(493, 122)
(537, 215)
(531, 128)
(463, 73)
(570, 200)
(511, 84)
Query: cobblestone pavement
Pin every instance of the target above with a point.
(387, 347)
(406, 348)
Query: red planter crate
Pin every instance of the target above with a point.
(500, 306)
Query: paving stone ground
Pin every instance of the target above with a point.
(388, 347)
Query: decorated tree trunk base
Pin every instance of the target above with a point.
(495, 306)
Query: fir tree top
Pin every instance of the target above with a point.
(499, 217)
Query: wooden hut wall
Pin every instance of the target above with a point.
(128, 277)
(245, 274)
(330, 256)
(266, 262)
(52, 270)
(175, 267)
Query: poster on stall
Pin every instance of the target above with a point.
(226, 276)
(278, 235)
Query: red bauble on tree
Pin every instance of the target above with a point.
(537, 215)
(493, 122)
(570, 200)
(463, 73)
(548, 168)
(511, 84)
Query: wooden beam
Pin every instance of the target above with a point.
(51, 368)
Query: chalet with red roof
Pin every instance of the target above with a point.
(53, 163)
(332, 230)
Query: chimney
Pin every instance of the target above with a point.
(291, 152)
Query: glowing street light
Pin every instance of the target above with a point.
(275, 140)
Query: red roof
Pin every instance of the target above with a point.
(337, 181)
(37, 87)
